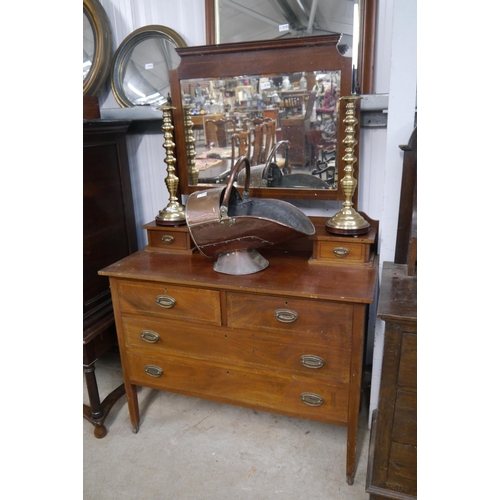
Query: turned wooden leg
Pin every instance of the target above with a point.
(97, 412)
(94, 412)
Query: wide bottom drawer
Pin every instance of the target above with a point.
(296, 396)
(228, 346)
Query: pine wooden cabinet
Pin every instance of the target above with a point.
(288, 340)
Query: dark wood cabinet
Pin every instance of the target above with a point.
(392, 460)
(109, 234)
(392, 464)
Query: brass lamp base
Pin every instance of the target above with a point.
(170, 218)
(347, 222)
(172, 215)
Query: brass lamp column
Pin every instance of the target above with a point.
(347, 221)
(173, 214)
(193, 172)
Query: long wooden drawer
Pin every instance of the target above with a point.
(274, 392)
(311, 319)
(226, 345)
(170, 301)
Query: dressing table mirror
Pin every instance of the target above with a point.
(228, 21)
(141, 66)
(96, 47)
(285, 81)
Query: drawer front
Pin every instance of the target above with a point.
(312, 319)
(295, 396)
(228, 346)
(176, 302)
(169, 240)
(344, 251)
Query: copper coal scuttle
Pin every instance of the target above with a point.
(231, 226)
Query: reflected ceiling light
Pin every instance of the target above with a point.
(133, 89)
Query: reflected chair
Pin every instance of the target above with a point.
(211, 135)
(226, 127)
(257, 134)
(250, 123)
(241, 145)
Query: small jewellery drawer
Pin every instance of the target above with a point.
(225, 345)
(295, 396)
(343, 251)
(170, 240)
(170, 301)
(312, 319)
(173, 239)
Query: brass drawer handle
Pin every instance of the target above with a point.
(165, 301)
(311, 361)
(167, 239)
(311, 399)
(286, 315)
(154, 371)
(150, 336)
(341, 252)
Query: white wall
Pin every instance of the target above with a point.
(146, 152)
(380, 161)
(396, 66)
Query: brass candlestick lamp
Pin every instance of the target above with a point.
(347, 221)
(193, 172)
(173, 214)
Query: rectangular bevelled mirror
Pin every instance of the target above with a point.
(282, 93)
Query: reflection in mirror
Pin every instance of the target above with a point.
(88, 45)
(231, 21)
(269, 92)
(141, 66)
(297, 111)
(238, 21)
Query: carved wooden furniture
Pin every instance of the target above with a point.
(109, 234)
(288, 340)
(392, 463)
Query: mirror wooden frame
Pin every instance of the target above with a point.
(101, 63)
(264, 57)
(366, 57)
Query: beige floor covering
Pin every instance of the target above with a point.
(192, 449)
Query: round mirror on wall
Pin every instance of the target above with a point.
(141, 66)
(96, 46)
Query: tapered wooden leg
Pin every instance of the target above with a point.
(133, 406)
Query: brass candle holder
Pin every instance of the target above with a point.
(347, 221)
(193, 172)
(173, 214)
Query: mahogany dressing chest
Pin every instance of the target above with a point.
(289, 339)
